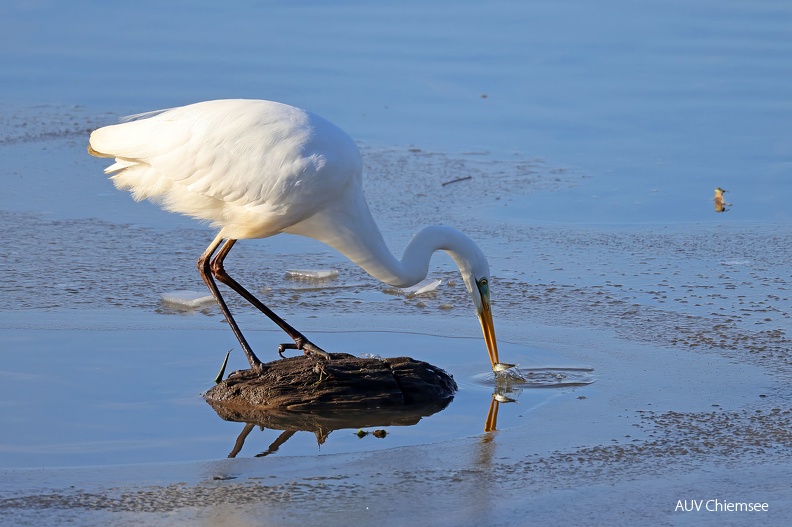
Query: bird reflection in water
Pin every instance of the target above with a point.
(504, 388)
(491, 424)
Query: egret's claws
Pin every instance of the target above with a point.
(311, 349)
(306, 346)
(284, 347)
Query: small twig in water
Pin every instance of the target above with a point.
(219, 377)
(457, 180)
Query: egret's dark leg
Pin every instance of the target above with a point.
(300, 341)
(206, 274)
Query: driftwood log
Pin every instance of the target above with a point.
(305, 394)
(345, 382)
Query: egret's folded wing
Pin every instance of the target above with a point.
(217, 149)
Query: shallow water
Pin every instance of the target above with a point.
(593, 133)
(125, 396)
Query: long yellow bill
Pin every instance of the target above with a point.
(485, 317)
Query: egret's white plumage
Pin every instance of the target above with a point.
(254, 169)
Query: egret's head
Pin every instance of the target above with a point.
(477, 280)
(475, 271)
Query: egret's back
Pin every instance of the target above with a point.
(252, 168)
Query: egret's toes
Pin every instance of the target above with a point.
(311, 349)
(284, 347)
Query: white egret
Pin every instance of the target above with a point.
(254, 169)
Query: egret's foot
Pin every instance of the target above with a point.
(284, 347)
(313, 350)
(307, 347)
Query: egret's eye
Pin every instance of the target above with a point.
(482, 282)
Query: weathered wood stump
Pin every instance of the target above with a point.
(345, 382)
(305, 394)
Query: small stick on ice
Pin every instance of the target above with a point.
(457, 180)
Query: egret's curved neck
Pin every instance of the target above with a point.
(418, 253)
(352, 231)
(375, 258)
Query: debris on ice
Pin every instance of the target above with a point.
(187, 299)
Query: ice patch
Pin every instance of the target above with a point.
(736, 262)
(311, 275)
(187, 299)
(425, 286)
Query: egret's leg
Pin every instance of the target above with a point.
(204, 269)
(300, 341)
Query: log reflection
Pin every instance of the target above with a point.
(321, 422)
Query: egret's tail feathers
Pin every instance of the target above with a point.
(121, 164)
(141, 138)
(144, 115)
(95, 153)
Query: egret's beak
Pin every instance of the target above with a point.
(485, 317)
